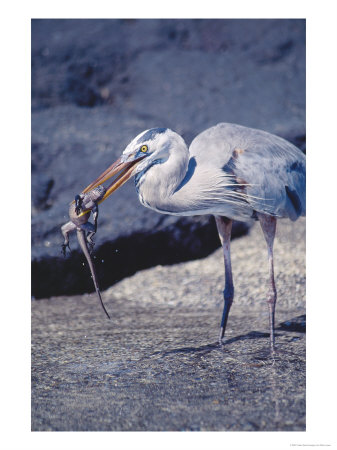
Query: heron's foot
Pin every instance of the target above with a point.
(64, 249)
(221, 336)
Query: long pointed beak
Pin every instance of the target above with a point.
(125, 171)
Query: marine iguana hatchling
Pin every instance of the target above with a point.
(79, 213)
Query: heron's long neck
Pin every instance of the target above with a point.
(156, 187)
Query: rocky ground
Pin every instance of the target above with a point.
(157, 364)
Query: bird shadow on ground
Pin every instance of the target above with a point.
(244, 337)
(204, 349)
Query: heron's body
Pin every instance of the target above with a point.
(230, 171)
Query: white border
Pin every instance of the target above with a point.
(321, 266)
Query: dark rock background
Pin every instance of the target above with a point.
(98, 83)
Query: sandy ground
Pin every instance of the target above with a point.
(157, 366)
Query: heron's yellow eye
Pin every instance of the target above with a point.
(143, 148)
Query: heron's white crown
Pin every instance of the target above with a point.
(148, 137)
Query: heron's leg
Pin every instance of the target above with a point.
(268, 225)
(224, 226)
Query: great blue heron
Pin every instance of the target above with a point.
(230, 171)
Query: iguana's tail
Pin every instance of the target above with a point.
(83, 243)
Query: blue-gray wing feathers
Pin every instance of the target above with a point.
(267, 168)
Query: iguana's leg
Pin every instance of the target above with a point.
(90, 229)
(66, 229)
(95, 216)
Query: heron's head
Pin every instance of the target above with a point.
(150, 147)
